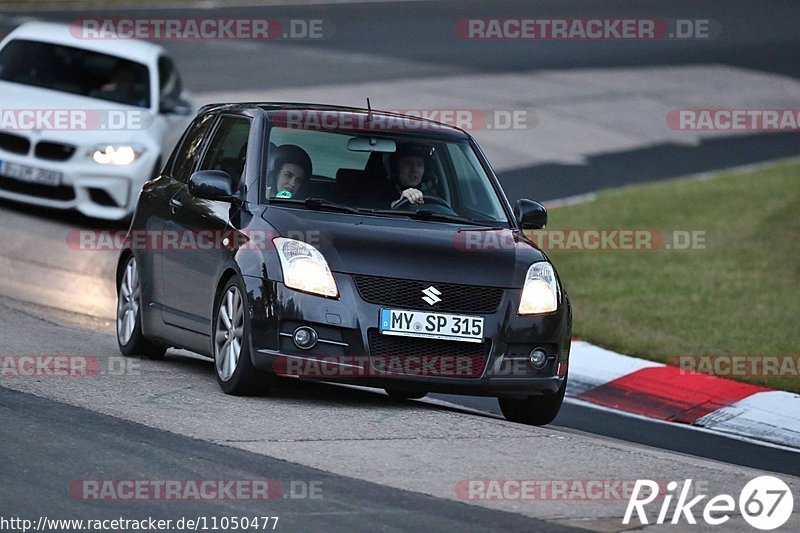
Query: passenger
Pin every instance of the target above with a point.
(406, 171)
(291, 169)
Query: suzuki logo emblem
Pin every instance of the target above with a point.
(431, 295)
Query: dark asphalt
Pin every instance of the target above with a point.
(47, 445)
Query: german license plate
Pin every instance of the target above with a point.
(431, 325)
(28, 174)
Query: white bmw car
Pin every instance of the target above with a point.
(85, 122)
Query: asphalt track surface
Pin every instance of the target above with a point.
(77, 443)
(375, 42)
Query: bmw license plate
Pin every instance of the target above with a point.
(431, 325)
(28, 174)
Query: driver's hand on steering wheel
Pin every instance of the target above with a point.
(413, 196)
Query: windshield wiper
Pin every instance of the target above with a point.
(427, 214)
(318, 204)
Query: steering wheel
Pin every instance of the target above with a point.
(429, 200)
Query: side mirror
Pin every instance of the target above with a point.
(530, 214)
(211, 185)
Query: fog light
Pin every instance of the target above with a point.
(305, 338)
(538, 358)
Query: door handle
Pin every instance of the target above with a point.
(175, 203)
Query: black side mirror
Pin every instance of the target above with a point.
(530, 214)
(211, 185)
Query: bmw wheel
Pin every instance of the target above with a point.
(130, 338)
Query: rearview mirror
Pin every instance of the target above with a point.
(371, 144)
(530, 214)
(211, 185)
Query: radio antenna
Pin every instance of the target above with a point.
(369, 109)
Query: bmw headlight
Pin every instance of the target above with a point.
(304, 268)
(540, 294)
(121, 154)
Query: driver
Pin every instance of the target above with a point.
(406, 170)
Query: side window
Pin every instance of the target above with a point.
(189, 149)
(468, 178)
(169, 81)
(228, 148)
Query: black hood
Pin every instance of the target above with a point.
(397, 247)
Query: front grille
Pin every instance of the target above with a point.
(427, 357)
(14, 143)
(408, 293)
(54, 151)
(62, 192)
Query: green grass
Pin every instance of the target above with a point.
(740, 295)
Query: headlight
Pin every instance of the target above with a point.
(107, 154)
(304, 268)
(540, 292)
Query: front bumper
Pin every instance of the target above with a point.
(347, 353)
(98, 191)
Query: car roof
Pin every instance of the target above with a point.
(55, 33)
(417, 125)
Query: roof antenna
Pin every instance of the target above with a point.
(369, 109)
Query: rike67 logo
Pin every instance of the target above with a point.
(765, 503)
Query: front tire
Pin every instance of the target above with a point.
(130, 338)
(533, 410)
(236, 374)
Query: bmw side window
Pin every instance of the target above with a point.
(170, 86)
(185, 157)
(228, 148)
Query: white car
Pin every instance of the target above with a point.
(85, 122)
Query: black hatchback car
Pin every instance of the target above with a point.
(344, 245)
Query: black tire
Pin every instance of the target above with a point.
(246, 379)
(136, 344)
(399, 394)
(533, 410)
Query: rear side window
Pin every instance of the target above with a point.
(188, 152)
(169, 82)
(328, 151)
(228, 148)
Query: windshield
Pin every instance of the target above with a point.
(75, 71)
(427, 178)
